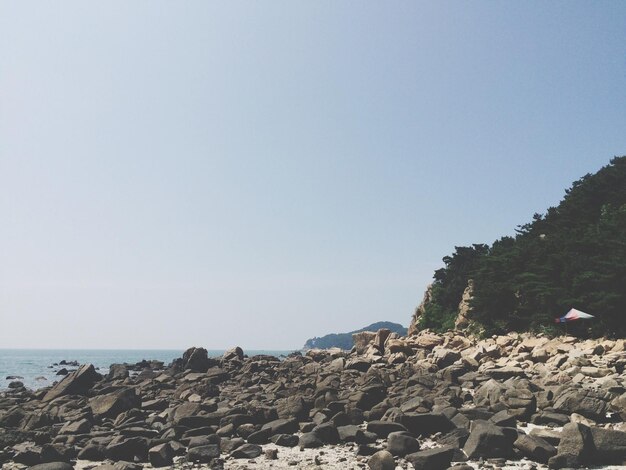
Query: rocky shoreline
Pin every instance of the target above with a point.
(425, 401)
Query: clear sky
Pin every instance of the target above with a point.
(257, 173)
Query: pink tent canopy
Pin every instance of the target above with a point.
(572, 315)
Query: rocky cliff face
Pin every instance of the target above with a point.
(419, 311)
(463, 320)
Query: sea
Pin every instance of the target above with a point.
(36, 368)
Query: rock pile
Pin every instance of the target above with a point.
(422, 402)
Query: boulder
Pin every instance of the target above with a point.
(196, 360)
(438, 458)
(117, 372)
(285, 440)
(488, 441)
(381, 460)
(233, 353)
(362, 340)
(309, 440)
(327, 433)
(589, 403)
(52, 466)
(281, 426)
(112, 404)
(203, 454)
(247, 451)
(535, 448)
(352, 433)
(609, 445)
(82, 426)
(129, 449)
(383, 428)
(426, 424)
(400, 444)
(575, 447)
(161, 455)
(78, 382)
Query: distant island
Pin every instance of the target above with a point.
(344, 340)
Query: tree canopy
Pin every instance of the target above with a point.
(574, 255)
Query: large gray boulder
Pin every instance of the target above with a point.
(432, 459)
(575, 448)
(535, 448)
(112, 404)
(78, 382)
(609, 445)
(487, 440)
(589, 403)
(381, 460)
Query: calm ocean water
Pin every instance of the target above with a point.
(33, 365)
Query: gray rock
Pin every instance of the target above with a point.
(308, 440)
(400, 444)
(285, 440)
(487, 440)
(203, 454)
(78, 382)
(117, 372)
(609, 445)
(589, 403)
(575, 448)
(426, 424)
(327, 433)
(53, 466)
(535, 448)
(161, 455)
(247, 451)
(112, 404)
(82, 426)
(381, 460)
(383, 428)
(432, 459)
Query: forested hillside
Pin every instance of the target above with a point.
(574, 255)
(344, 340)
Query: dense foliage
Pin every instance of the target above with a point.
(344, 340)
(572, 256)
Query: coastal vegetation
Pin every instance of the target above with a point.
(574, 255)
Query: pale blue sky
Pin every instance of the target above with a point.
(257, 173)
